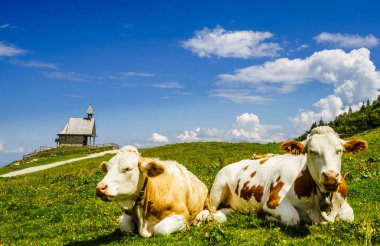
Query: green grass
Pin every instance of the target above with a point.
(53, 155)
(58, 206)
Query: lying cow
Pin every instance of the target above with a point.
(157, 196)
(303, 185)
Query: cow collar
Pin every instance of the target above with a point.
(325, 201)
(138, 200)
(141, 193)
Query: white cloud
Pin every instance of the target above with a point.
(352, 75)
(72, 76)
(347, 40)
(158, 139)
(34, 63)
(239, 96)
(201, 135)
(10, 50)
(7, 26)
(4, 149)
(139, 74)
(168, 85)
(3, 26)
(238, 44)
(302, 47)
(247, 128)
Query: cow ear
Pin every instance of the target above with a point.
(293, 147)
(103, 166)
(355, 146)
(152, 168)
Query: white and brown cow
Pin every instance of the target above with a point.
(303, 185)
(158, 197)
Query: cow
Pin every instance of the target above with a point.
(305, 184)
(159, 197)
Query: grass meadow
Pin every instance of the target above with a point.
(59, 207)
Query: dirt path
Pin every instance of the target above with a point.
(43, 167)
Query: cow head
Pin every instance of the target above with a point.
(324, 150)
(125, 176)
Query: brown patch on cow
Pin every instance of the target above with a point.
(274, 197)
(164, 197)
(304, 184)
(263, 161)
(343, 189)
(256, 190)
(355, 146)
(245, 168)
(278, 179)
(293, 147)
(237, 188)
(253, 174)
(261, 156)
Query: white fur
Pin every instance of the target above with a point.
(127, 225)
(169, 225)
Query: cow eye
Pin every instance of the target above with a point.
(339, 151)
(312, 152)
(125, 170)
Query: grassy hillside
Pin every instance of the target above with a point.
(59, 206)
(51, 156)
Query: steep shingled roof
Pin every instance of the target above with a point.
(79, 126)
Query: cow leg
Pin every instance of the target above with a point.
(284, 212)
(219, 195)
(169, 225)
(127, 225)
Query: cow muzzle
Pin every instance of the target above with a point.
(331, 180)
(101, 191)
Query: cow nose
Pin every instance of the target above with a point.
(331, 178)
(331, 175)
(101, 189)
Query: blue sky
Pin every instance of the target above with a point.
(159, 72)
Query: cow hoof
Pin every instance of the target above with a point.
(145, 234)
(202, 216)
(220, 217)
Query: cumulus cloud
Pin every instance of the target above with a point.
(347, 40)
(238, 44)
(247, 128)
(201, 135)
(352, 75)
(158, 138)
(10, 50)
